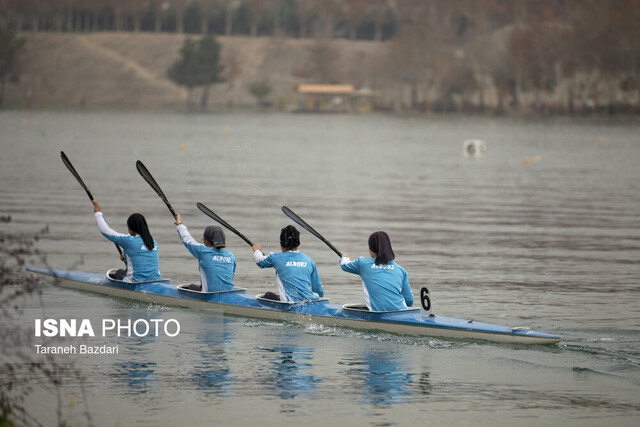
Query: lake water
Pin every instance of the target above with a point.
(542, 232)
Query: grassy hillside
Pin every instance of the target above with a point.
(110, 70)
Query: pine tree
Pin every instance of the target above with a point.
(10, 47)
(198, 65)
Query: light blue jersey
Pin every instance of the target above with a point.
(386, 286)
(217, 267)
(296, 274)
(142, 264)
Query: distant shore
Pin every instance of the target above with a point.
(127, 71)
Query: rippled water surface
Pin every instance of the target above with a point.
(549, 242)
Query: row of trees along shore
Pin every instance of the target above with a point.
(567, 55)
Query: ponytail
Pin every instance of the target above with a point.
(138, 224)
(380, 244)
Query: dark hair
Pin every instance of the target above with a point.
(289, 237)
(214, 235)
(138, 224)
(380, 244)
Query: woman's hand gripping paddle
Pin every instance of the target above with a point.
(288, 212)
(73, 171)
(216, 218)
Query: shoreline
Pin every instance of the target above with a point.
(127, 71)
(259, 111)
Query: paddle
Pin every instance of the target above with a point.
(152, 182)
(288, 212)
(69, 166)
(215, 217)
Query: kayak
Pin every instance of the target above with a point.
(238, 302)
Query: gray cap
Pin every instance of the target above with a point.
(214, 235)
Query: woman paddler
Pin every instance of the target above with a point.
(385, 284)
(216, 264)
(140, 250)
(296, 273)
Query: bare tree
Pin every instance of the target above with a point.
(18, 9)
(329, 11)
(180, 6)
(137, 8)
(91, 10)
(355, 11)
(205, 15)
(424, 39)
(257, 9)
(57, 13)
(158, 9)
(322, 61)
(380, 11)
(229, 7)
(304, 11)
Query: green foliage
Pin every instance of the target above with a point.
(260, 90)
(5, 421)
(10, 47)
(199, 63)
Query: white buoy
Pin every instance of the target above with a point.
(474, 148)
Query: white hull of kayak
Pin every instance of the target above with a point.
(321, 313)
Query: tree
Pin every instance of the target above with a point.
(158, 8)
(229, 7)
(24, 373)
(180, 6)
(304, 12)
(205, 11)
(199, 65)
(10, 48)
(330, 11)
(257, 9)
(260, 90)
(380, 10)
(355, 11)
(137, 8)
(322, 61)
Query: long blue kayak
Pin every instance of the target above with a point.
(237, 302)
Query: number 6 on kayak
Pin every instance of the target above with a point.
(425, 302)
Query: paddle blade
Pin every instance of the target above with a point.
(291, 214)
(302, 223)
(221, 221)
(144, 172)
(69, 166)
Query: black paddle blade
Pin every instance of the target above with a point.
(69, 166)
(302, 223)
(142, 169)
(208, 212)
(291, 214)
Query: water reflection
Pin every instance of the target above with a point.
(138, 372)
(212, 374)
(197, 352)
(139, 377)
(386, 378)
(287, 373)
